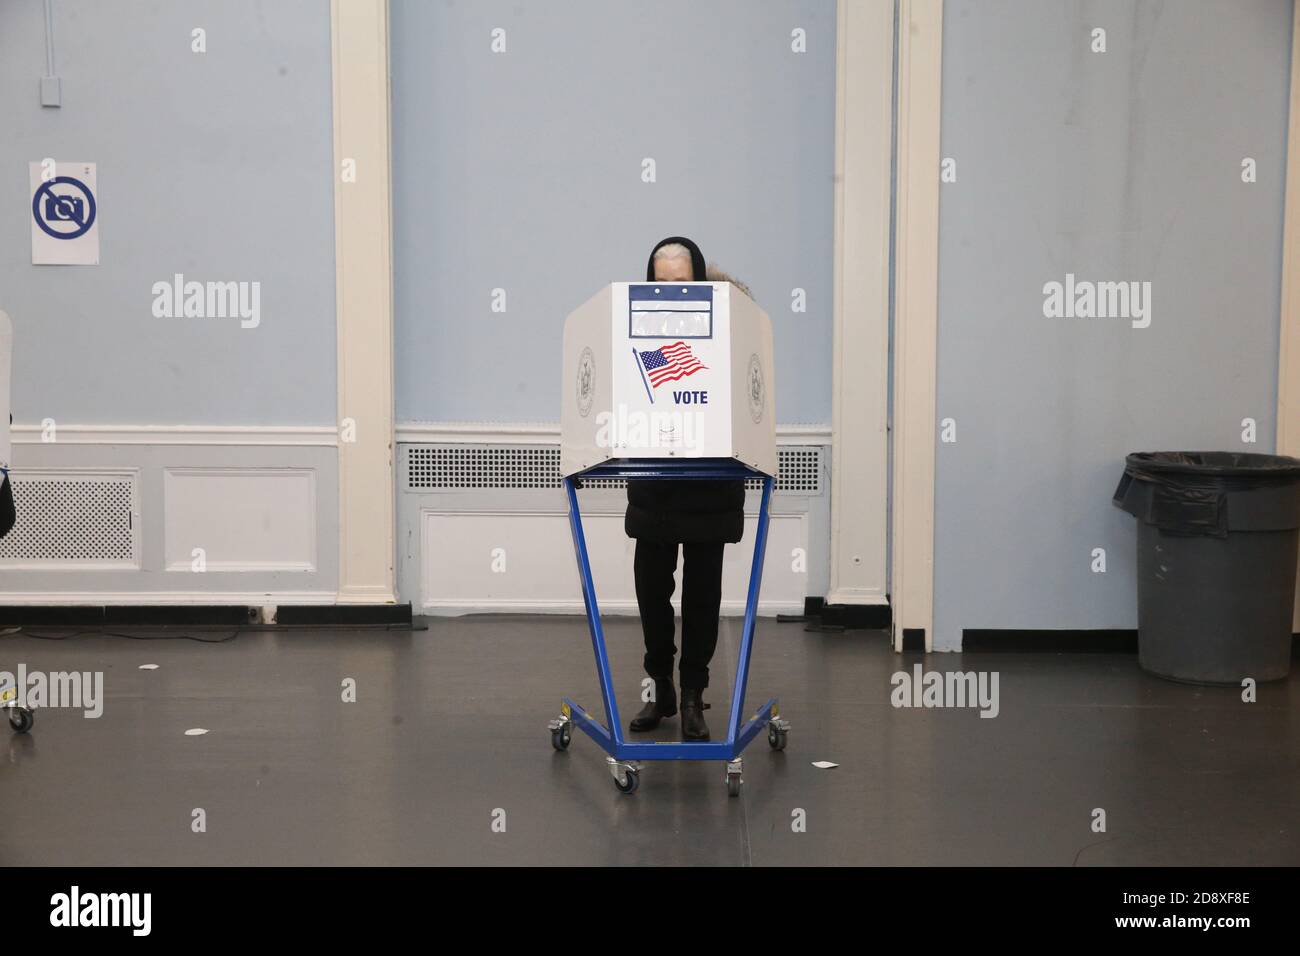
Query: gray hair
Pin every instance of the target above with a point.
(673, 250)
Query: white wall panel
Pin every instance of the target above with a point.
(512, 561)
(243, 519)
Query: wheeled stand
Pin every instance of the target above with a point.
(625, 758)
(21, 719)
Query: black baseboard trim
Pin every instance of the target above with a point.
(1101, 640)
(843, 616)
(123, 615)
(812, 606)
(339, 615)
(193, 615)
(873, 616)
(913, 640)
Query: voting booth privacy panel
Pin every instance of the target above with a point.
(665, 371)
(6, 360)
(668, 381)
(20, 718)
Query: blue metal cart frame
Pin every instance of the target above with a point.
(624, 757)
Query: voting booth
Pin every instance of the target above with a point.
(20, 718)
(668, 381)
(668, 371)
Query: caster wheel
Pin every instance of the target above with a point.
(21, 719)
(733, 784)
(776, 739)
(561, 737)
(631, 780)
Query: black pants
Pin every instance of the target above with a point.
(654, 565)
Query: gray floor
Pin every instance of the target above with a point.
(449, 730)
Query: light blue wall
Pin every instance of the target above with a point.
(522, 171)
(216, 165)
(1124, 165)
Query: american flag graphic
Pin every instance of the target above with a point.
(669, 363)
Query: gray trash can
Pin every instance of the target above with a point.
(1218, 534)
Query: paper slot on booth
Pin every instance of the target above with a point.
(668, 371)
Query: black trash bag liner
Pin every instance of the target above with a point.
(1186, 491)
(1218, 465)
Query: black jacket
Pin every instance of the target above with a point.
(685, 510)
(667, 509)
(7, 515)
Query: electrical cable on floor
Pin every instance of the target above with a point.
(261, 628)
(24, 632)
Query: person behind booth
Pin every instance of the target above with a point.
(698, 516)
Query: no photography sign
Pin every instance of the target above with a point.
(65, 214)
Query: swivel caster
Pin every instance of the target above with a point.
(561, 732)
(777, 729)
(627, 775)
(21, 719)
(734, 778)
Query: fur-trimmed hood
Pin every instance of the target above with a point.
(714, 274)
(703, 272)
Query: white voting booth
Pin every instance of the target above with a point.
(21, 718)
(668, 381)
(664, 371)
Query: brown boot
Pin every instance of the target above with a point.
(664, 705)
(693, 725)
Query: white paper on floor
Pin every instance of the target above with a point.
(824, 764)
(148, 667)
(196, 732)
